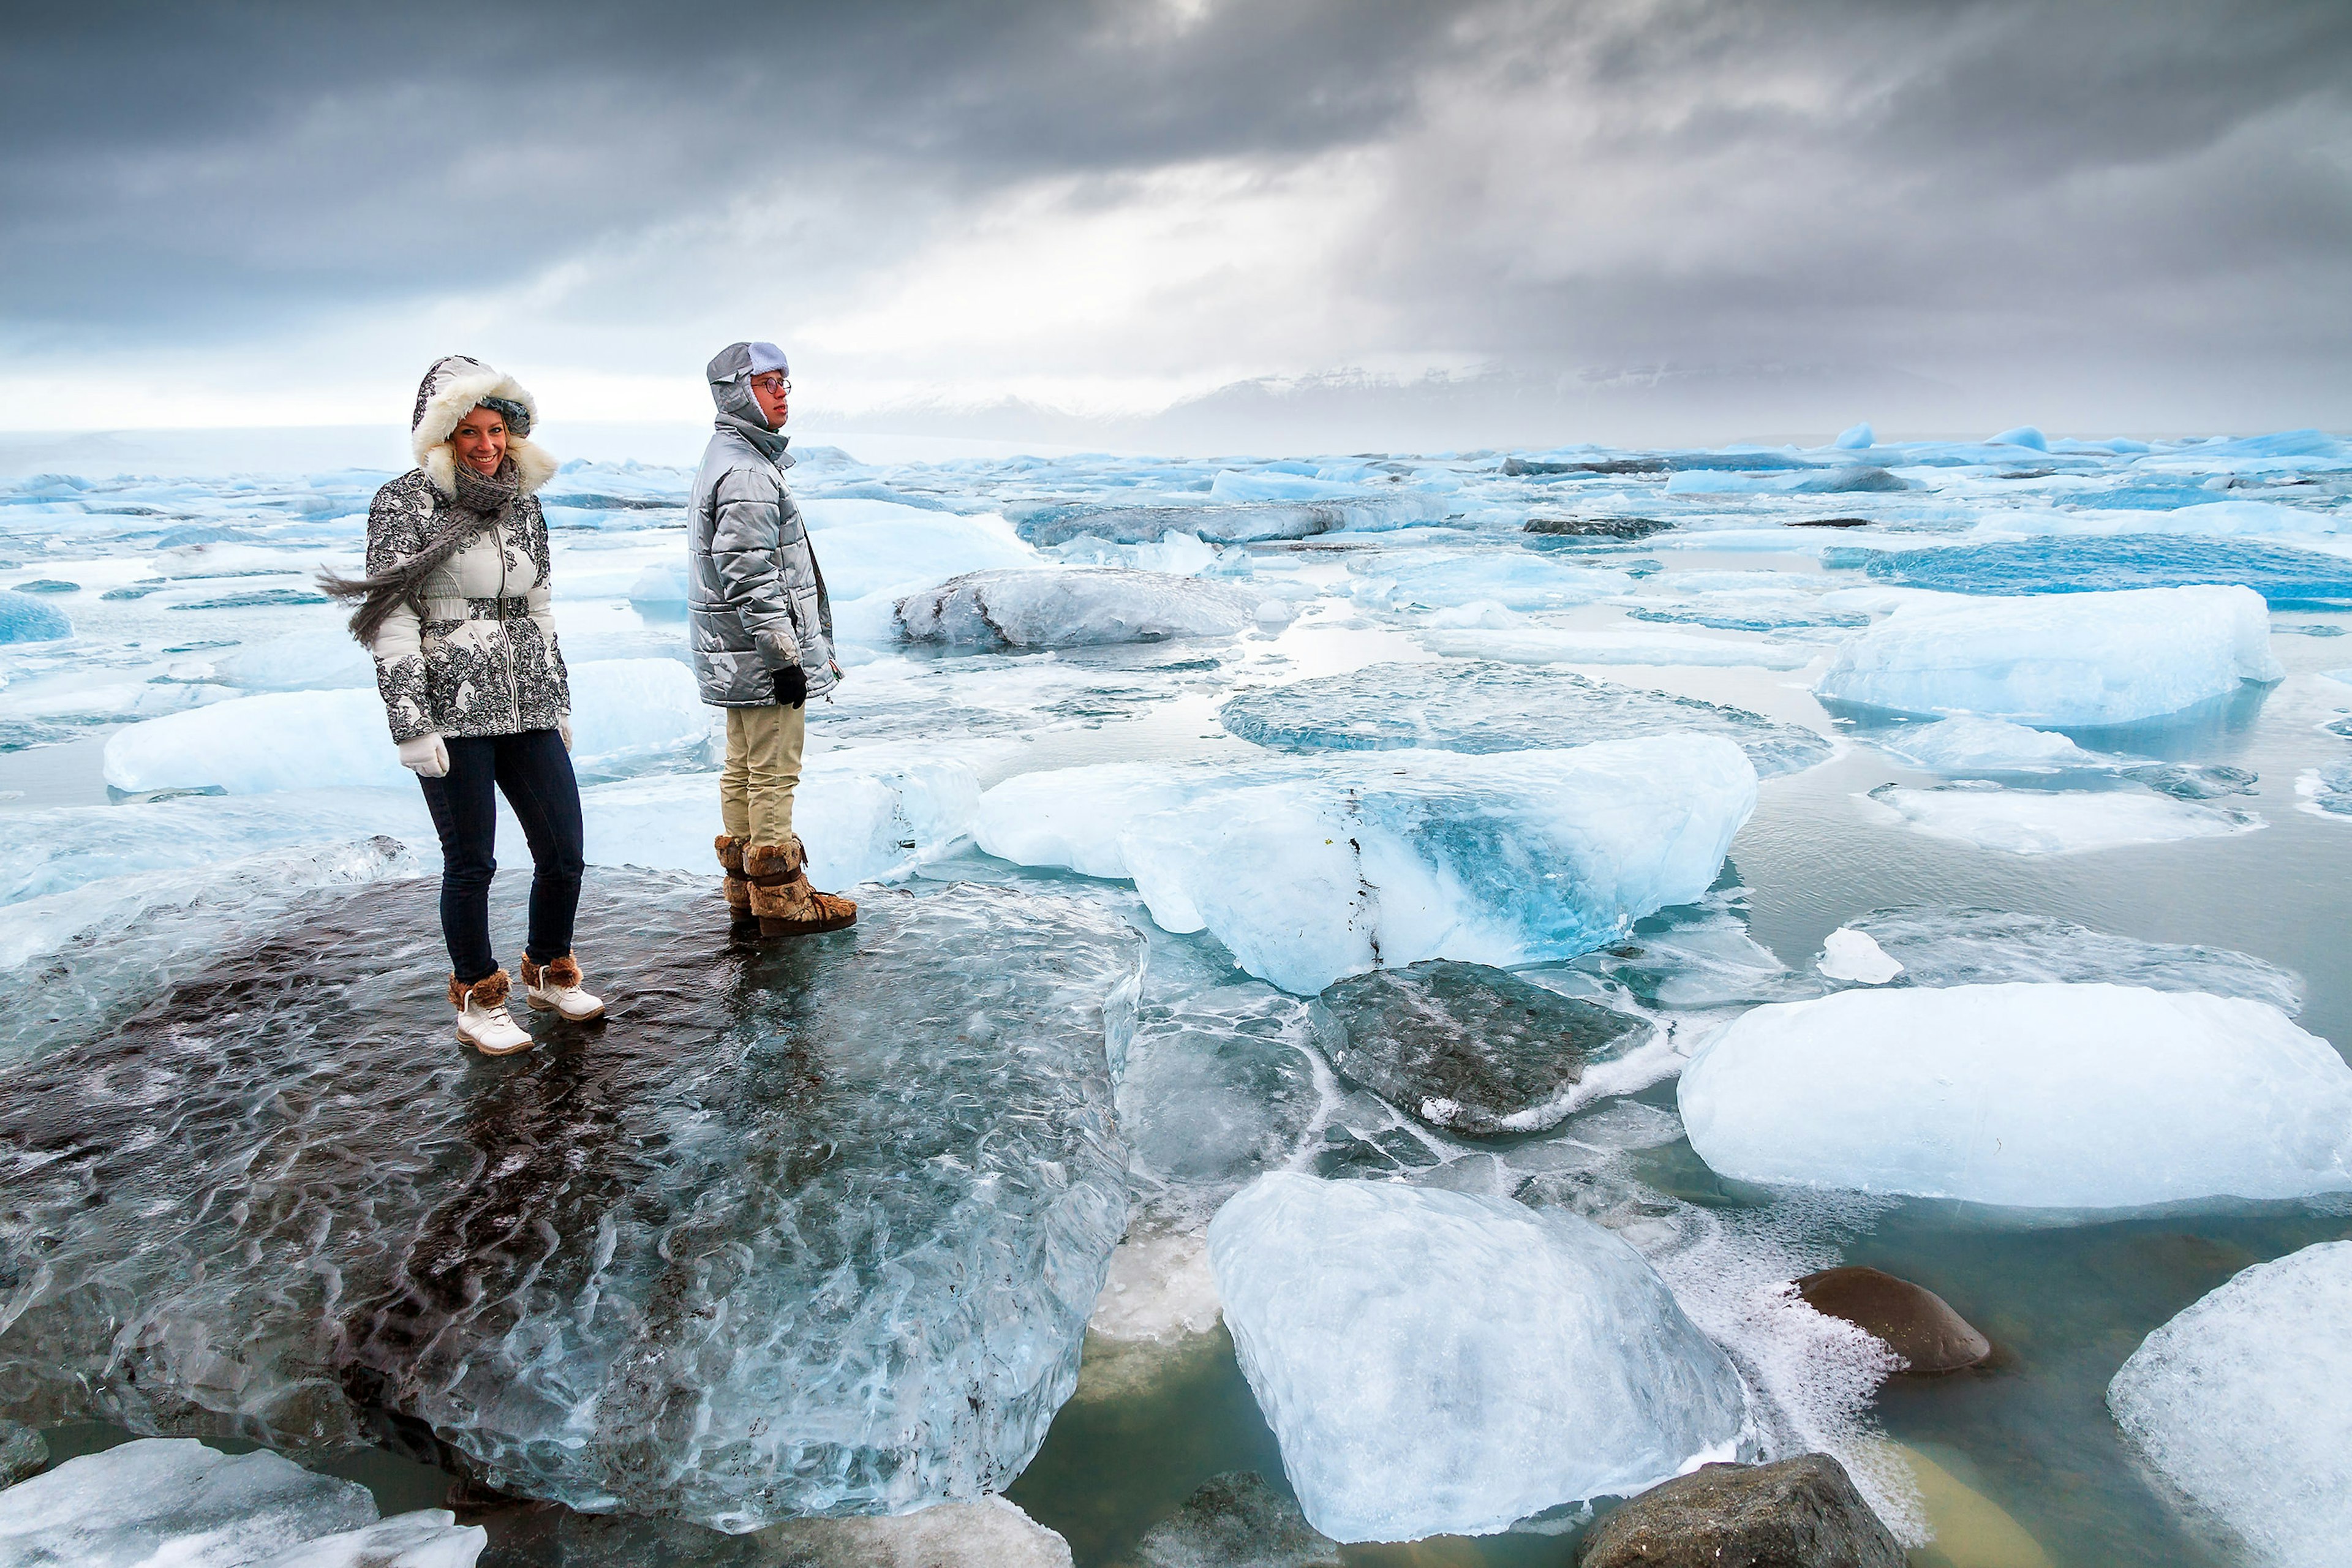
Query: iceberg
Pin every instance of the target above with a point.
(623, 711)
(1482, 707)
(1937, 945)
(1550, 645)
(2084, 660)
(1310, 869)
(158, 1500)
(1856, 437)
(817, 1234)
(2325, 790)
(2285, 577)
(1496, 1361)
(1969, 744)
(2051, 822)
(2239, 1402)
(1517, 579)
(1473, 1050)
(1236, 523)
(1074, 608)
(2026, 1095)
(2024, 436)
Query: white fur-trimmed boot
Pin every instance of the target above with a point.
(483, 1021)
(555, 988)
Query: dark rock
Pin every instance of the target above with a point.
(1596, 527)
(23, 1452)
(1477, 1051)
(1237, 1521)
(1800, 1513)
(1833, 523)
(806, 1228)
(1918, 1323)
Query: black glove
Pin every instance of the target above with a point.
(792, 687)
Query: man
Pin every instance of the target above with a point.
(762, 631)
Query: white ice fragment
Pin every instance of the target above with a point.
(2240, 1401)
(1549, 645)
(1076, 607)
(1969, 744)
(1850, 955)
(173, 1500)
(2048, 821)
(2041, 1096)
(2059, 659)
(1160, 1290)
(623, 710)
(1435, 1361)
(1310, 869)
(2025, 436)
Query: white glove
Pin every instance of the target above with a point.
(427, 756)
(563, 728)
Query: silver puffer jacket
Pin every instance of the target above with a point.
(482, 659)
(756, 601)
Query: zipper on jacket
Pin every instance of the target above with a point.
(506, 638)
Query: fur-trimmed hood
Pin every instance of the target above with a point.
(452, 389)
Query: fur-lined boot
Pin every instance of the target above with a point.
(554, 987)
(483, 1021)
(739, 891)
(782, 897)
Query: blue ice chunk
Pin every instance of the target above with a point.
(2022, 435)
(1480, 707)
(24, 618)
(1857, 438)
(48, 586)
(2285, 577)
(205, 533)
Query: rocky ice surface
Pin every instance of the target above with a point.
(1076, 607)
(1496, 1361)
(2076, 659)
(175, 1502)
(2239, 1402)
(810, 1229)
(1310, 870)
(2055, 1096)
(1451, 706)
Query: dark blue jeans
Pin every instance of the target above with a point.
(535, 772)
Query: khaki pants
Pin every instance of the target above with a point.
(762, 769)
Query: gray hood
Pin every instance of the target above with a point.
(730, 374)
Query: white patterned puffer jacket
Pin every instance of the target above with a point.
(482, 659)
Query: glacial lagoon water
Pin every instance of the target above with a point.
(196, 784)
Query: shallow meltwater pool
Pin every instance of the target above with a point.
(1532, 913)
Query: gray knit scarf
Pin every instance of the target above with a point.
(481, 502)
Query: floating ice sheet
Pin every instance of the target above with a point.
(2080, 660)
(1482, 707)
(2280, 574)
(1494, 1362)
(1073, 607)
(1548, 644)
(817, 1229)
(1945, 946)
(1311, 868)
(2041, 1096)
(2053, 822)
(2240, 1402)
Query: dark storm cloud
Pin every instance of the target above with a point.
(2134, 190)
(187, 167)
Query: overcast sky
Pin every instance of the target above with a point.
(1733, 218)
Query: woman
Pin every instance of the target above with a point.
(454, 608)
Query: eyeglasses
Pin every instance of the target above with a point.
(774, 385)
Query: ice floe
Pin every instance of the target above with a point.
(1553, 644)
(2239, 1402)
(2053, 822)
(1075, 606)
(2052, 1096)
(1311, 868)
(1481, 706)
(1496, 1362)
(2081, 659)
